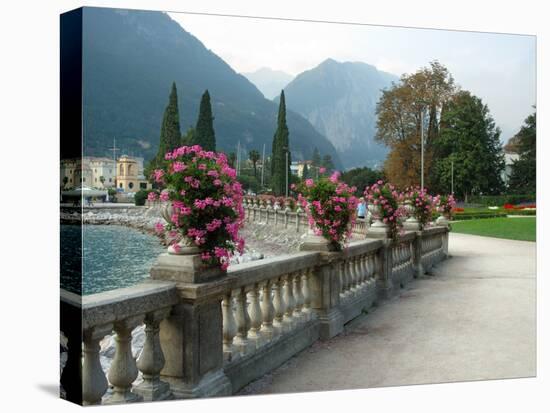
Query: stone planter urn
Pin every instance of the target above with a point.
(314, 242)
(378, 227)
(411, 223)
(186, 246)
(443, 220)
(277, 206)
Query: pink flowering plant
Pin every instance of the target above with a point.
(422, 203)
(330, 206)
(385, 197)
(445, 205)
(206, 203)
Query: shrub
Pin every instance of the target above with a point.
(384, 197)
(206, 203)
(330, 207)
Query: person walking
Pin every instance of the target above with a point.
(361, 208)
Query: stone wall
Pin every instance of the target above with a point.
(210, 334)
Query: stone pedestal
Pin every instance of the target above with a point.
(191, 336)
(314, 242)
(411, 224)
(183, 268)
(325, 286)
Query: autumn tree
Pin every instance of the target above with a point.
(399, 114)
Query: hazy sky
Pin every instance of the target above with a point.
(499, 68)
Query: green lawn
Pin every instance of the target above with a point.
(523, 229)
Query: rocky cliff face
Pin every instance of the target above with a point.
(339, 99)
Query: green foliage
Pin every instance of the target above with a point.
(327, 163)
(204, 131)
(232, 159)
(470, 140)
(500, 200)
(305, 172)
(362, 177)
(141, 196)
(170, 134)
(249, 182)
(189, 138)
(524, 170)
(280, 152)
(316, 157)
(254, 157)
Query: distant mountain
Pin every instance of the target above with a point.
(270, 82)
(130, 59)
(339, 99)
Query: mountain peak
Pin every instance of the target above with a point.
(339, 99)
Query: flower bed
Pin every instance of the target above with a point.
(206, 203)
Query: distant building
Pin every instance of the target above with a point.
(297, 167)
(90, 172)
(129, 176)
(509, 158)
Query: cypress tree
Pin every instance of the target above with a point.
(279, 149)
(204, 131)
(170, 134)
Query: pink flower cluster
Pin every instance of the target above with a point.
(330, 206)
(445, 204)
(206, 202)
(422, 203)
(385, 197)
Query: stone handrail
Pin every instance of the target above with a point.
(118, 311)
(210, 334)
(259, 213)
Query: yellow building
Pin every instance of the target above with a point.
(129, 176)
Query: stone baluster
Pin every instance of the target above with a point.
(240, 341)
(151, 360)
(94, 382)
(229, 326)
(288, 296)
(279, 306)
(306, 291)
(268, 312)
(340, 267)
(351, 276)
(298, 296)
(123, 370)
(359, 272)
(346, 272)
(363, 271)
(255, 313)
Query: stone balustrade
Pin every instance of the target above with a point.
(264, 213)
(210, 334)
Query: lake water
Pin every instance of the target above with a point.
(113, 256)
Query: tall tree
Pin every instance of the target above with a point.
(189, 138)
(399, 112)
(327, 163)
(232, 159)
(170, 135)
(470, 141)
(316, 158)
(204, 130)
(254, 157)
(280, 151)
(524, 171)
(305, 172)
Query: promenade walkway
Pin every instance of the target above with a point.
(474, 319)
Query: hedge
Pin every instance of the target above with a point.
(499, 200)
